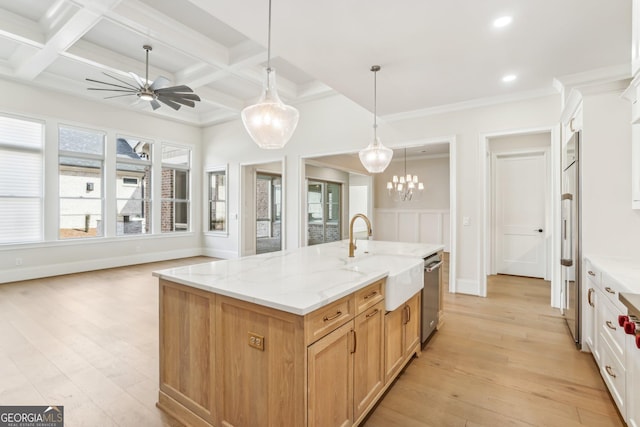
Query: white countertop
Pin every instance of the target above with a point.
(625, 271)
(302, 280)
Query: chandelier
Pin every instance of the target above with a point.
(406, 186)
(270, 122)
(375, 157)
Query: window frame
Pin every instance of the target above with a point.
(148, 194)
(102, 158)
(220, 170)
(177, 167)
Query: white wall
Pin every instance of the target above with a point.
(511, 143)
(60, 257)
(336, 125)
(433, 172)
(609, 225)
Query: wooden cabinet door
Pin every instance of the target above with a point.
(412, 324)
(394, 341)
(330, 376)
(368, 358)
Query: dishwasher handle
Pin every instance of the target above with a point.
(433, 266)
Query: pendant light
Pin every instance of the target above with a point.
(270, 122)
(376, 157)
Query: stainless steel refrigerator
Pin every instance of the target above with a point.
(570, 232)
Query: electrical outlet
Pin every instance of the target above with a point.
(256, 341)
(18, 261)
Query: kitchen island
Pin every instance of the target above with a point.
(298, 338)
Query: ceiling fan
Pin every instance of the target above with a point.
(173, 96)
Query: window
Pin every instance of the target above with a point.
(80, 174)
(218, 201)
(133, 186)
(175, 204)
(21, 185)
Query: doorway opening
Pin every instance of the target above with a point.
(519, 213)
(324, 208)
(268, 213)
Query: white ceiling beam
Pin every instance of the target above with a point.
(147, 21)
(218, 116)
(220, 99)
(74, 28)
(200, 75)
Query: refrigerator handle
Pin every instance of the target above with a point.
(566, 250)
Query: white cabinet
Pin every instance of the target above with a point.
(633, 382)
(635, 37)
(635, 164)
(615, 352)
(591, 291)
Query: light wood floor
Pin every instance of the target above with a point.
(89, 341)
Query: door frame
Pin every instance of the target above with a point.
(247, 216)
(493, 199)
(484, 169)
(453, 194)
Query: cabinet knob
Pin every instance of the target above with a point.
(630, 328)
(638, 341)
(622, 319)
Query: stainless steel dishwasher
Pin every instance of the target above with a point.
(430, 295)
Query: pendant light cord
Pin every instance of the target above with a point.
(375, 104)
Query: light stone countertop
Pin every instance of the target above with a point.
(302, 280)
(625, 272)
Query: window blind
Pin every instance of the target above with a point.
(21, 172)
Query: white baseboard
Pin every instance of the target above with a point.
(47, 270)
(217, 253)
(466, 286)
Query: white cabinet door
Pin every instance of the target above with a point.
(633, 382)
(635, 166)
(635, 37)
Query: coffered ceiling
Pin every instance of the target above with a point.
(432, 53)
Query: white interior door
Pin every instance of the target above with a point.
(520, 215)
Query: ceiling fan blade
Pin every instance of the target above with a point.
(113, 90)
(159, 83)
(191, 96)
(137, 78)
(120, 80)
(170, 103)
(155, 104)
(181, 88)
(133, 89)
(178, 100)
(118, 96)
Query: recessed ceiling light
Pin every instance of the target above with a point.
(503, 21)
(509, 78)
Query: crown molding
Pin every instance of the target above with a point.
(468, 105)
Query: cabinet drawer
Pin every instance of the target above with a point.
(609, 328)
(610, 288)
(614, 375)
(369, 296)
(593, 274)
(324, 320)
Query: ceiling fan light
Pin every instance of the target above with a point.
(270, 122)
(146, 96)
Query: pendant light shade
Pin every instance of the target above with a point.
(376, 157)
(270, 122)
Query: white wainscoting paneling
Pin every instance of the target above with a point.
(412, 225)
